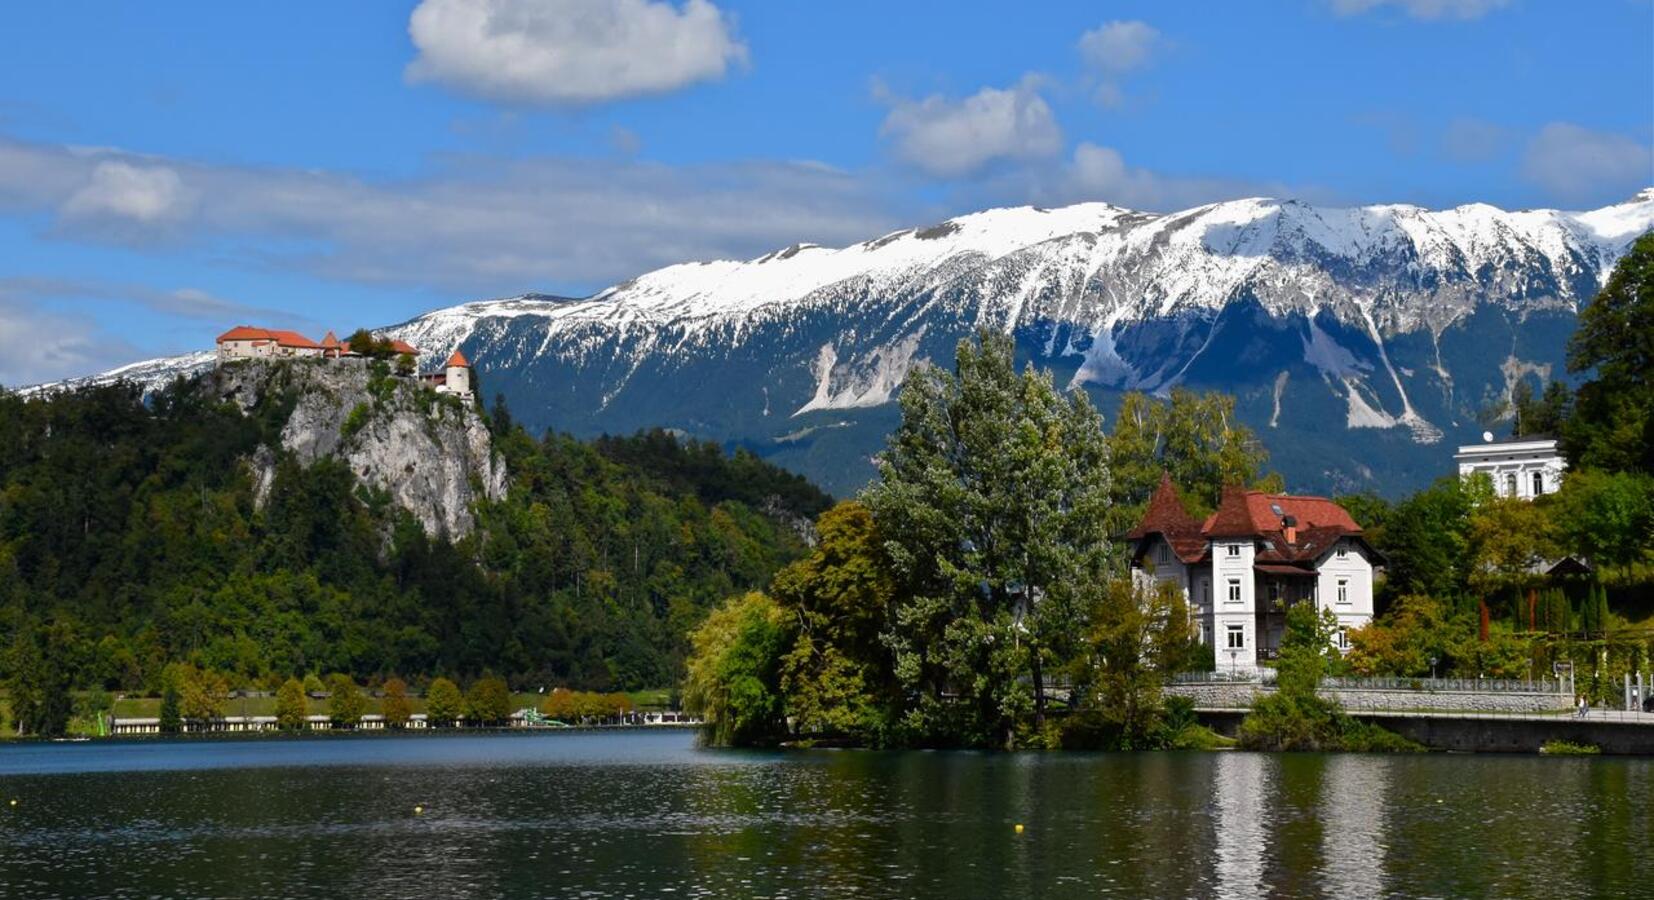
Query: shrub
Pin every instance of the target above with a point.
(1568, 748)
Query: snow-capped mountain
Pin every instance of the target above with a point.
(1356, 339)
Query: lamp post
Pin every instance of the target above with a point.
(1433, 668)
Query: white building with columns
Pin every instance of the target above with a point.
(1255, 557)
(1524, 467)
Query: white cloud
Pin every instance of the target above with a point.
(38, 346)
(570, 52)
(472, 225)
(1578, 165)
(1119, 47)
(954, 138)
(1428, 10)
(120, 191)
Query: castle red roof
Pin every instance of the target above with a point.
(458, 359)
(404, 347)
(330, 341)
(281, 338)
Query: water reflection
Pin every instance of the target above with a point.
(1354, 794)
(1240, 784)
(619, 815)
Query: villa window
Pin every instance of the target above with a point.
(1163, 553)
(1538, 483)
(1237, 638)
(1342, 638)
(1205, 593)
(1205, 634)
(1234, 549)
(1343, 551)
(1234, 590)
(1510, 485)
(1343, 590)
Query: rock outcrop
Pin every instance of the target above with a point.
(431, 453)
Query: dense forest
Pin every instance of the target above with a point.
(130, 539)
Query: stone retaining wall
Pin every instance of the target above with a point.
(1233, 695)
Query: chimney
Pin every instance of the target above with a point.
(1290, 526)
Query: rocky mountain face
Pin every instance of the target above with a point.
(1361, 343)
(431, 454)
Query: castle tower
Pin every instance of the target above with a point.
(457, 372)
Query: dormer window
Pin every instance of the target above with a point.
(1163, 553)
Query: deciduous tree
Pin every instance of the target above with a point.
(443, 703)
(395, 706)
(291, 706)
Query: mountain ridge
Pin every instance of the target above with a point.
(1394, 323)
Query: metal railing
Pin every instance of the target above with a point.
(1422, 685)
(1431, 685)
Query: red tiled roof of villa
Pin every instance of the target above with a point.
(1167, 517)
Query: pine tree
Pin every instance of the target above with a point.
(172, 720)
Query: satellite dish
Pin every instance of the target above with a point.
(1487, 436)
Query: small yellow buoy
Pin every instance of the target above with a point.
(1019, 828)
(418, 810)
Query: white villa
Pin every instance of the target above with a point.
(249, 342)
(1250, 560)
(1525, 467)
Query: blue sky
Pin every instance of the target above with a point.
(167, 170)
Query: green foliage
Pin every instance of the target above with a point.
(40, 667)
(488, 702)
(1612, 424)
(291, 706)
(395, 706)
(357, 419)
(1135, 636)
(345, 702)
(172, 717)
(994, 502)
(1195, 437)
(134, 524)
(1558, 747)
(443, 703)
(1295, 717)
(202, 693)
(733, 681)
(569, 706)
(837, 676)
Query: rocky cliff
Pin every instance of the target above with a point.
(429, 452)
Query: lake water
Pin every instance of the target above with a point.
(648, 814)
